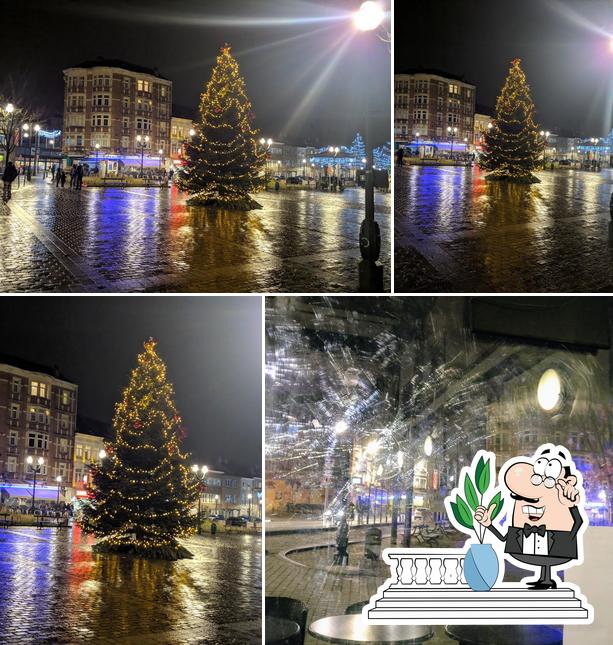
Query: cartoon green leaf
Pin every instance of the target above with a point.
(467, 516)
(479, 470)
(471, 493)
(497, 499)
(483, 480)
(460, 518)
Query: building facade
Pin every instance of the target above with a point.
(109, 103)
(87, 449)
(483, 120)
(228, 495)
(180, 128)
(38, 408)
(433, 109)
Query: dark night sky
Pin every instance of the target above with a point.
(182, 37)
(211, 346)
(564, 47)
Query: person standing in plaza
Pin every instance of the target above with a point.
(8, 177)
(73, 175)
(58, 176)
(79, 178)
(63, 178)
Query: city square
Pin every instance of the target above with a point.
(189, 168)
(130, 511)
(147, 239)
(503, 180)
(54, 590)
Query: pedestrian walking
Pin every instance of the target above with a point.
(8, 177)
(63, 178)
(53, 172)
(79, 181)
(400, 156)
(73, 175)
(58, 176)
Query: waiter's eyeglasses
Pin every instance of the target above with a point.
(537, 479)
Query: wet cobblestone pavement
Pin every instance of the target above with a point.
(53, 590)
(456, 232)
(147, 239)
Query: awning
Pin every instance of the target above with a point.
(16, 490)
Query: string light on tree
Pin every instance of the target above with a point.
(223, 162)
(513, 146)
(142, 492)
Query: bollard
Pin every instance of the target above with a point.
(372, 543)
(213, 528)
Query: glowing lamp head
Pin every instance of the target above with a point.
(549, 390)
(102, 454)
(29, 459)
(373, 447)
(363, 159)
(369, 16)
(97, 146)
(195, 468)
(341, 427)
(205, 470)
(249, 496)
(331, 149)
(542, 133)
(428, 446)
(216, 497)
(10, 108)
(146, 138)
(417, 134)
(58, 479)
(192, 132)
(40, 461)
(138, 138)
(269, 142)
(160, 151)
(37, 128)
(26, 127)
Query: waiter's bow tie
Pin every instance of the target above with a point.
(529, 529)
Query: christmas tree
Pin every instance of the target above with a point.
(358, 148)
(143, 492)
(513, 146)
(223, 164)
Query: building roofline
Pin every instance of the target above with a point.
(116, 63)
(29, 366)
(434, 72)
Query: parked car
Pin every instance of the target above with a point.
(236, 521)
(216, 517)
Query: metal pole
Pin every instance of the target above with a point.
(34, 490)
(142, 156)
(199, 499)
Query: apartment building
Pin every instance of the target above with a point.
(433, 109)
(38, 408)
(114, 110)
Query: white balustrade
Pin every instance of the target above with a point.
(425, 567)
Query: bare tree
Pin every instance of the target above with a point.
(12, 119)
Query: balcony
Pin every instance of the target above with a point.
(40, 400)
(427, 586)
(15, 396)
(12, 450)
(38, 426)
(14, 422)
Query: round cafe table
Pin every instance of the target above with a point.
(352, 628)
(280, 631)
(504, 634)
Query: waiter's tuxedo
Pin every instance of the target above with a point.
(541, 545)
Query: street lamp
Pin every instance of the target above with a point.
(58, 479)
(545, 135)
(97, 147)
(10, 108)
(160, 153)
(36, 145)
(142, 144)
(417, 137)
(102, 454)
(35, 469)
(200, 474)
(369, 16)
(452, 131)
(216, 502)
(249, 496)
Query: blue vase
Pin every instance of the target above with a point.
(481, 567)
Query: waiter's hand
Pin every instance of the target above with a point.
(567, 493)
(484, 515)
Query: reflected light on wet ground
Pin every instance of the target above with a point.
(148, 239)
(54, 590)
(454, 231)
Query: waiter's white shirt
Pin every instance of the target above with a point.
(534, 544)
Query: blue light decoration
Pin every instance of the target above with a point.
(382, 156)
(358, 148)
(127, 160)
(49, 134)
(604, 145)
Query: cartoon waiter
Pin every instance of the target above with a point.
(546, 515)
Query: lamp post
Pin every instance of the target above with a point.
(26, 135)
(58, 479)
(97, 148)
(452, 131)
(417, 137)
(36, 146)
(200, 474)
(545, 135)
(141, 142)
(35, 469)
(216, 502)
(368, 18)
(266, 143)
(249, 496)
